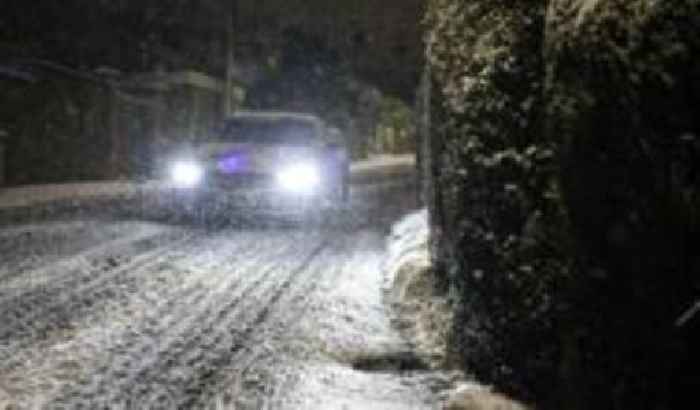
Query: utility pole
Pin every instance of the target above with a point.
(230, 70)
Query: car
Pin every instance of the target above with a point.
(264, 160)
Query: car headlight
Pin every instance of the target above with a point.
(186, 173)
(299, 178)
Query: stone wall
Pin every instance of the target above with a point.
(64, 128)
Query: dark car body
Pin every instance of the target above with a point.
(260, 159)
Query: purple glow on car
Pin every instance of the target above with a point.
(233, 163)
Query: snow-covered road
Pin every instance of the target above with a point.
(102, 311)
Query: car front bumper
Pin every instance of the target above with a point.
(211, 198)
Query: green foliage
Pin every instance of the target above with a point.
(567, 150)
(395, 131)
(497, 184)
(622, 97)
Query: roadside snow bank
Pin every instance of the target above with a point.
(41, 194)
(471, 396)
(6, 402)
(424, 316)
(381, 162)
(381, 168)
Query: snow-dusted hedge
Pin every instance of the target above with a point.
(567, 190)
(498, 188)
(622, 97)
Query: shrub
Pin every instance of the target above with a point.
(567, 192)
(503, 235)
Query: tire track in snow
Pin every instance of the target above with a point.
(54, 273)
(36, 317)
(32, 248)
(221, 330)
(101, 339)
(286, 305)
(100, 334)
(155, 333)
(198, 390)
(174, 329)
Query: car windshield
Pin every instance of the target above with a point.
(269, 131)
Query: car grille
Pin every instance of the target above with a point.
(241, 181)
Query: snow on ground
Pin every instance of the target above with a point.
(5, 399)
(103, 312)
(38, 194)
(408, 245)
(354, 358)
(424, 315)
(378, 169)
(287, 319)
